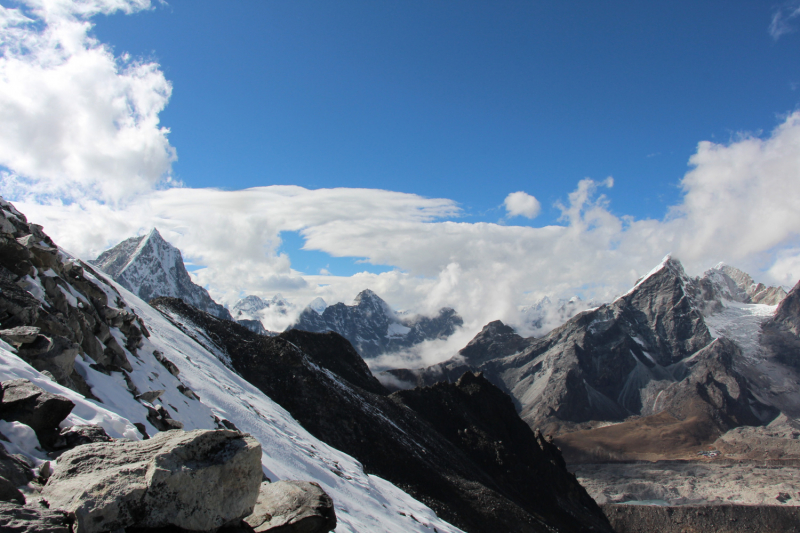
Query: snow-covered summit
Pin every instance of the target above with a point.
(318, 304)
(738, 286)
(149, 267)
(251, 307)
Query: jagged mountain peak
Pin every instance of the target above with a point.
(669, 270)
(318, 304)
(368, 298)
(149, 267)
(374, 327)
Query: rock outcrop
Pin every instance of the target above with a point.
(22, 401)
(23, 519)
(53, 310)
(198, 480)
(14, 473)
(292, 506)
(149, 267)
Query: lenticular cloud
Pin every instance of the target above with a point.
(77, 121)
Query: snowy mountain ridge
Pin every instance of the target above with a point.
(373, 327)
(149, 267)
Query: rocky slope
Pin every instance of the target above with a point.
(198, 480)
(149, 266)
(484, 471)
(73, 333)
(374, 328)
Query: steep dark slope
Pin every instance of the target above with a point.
(454, 477)
(479, 419)
(780, 343)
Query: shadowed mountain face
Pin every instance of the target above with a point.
(646, 353)
(149, 267)
(374, 328)
(779, 337)
(484, 471)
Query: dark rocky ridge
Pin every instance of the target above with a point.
(788, 311)
(70, 314)
(373, 328)
(459, 478)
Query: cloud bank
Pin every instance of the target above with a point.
(86, 157)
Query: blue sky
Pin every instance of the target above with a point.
(320, 148)
(466, 100)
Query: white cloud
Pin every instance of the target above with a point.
(739, 206)
(782, 17)
(522, 204)
(77, 121)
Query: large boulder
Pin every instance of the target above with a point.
(292, 507)
(198, 480)
(22, 401)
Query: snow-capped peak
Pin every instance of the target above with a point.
(318, 305)
(149, 267)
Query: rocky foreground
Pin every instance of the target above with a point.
(200, 480)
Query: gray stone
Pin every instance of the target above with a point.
(293, 507)
(198, 480)
(56, 355)
(150, 396)
(79, 435)
(161, 419)
(24, 402)
(14, 469)
(169, 365)
(29, 519)
(20, 335)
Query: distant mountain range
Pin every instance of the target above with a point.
(664, 353)
(150, 267)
